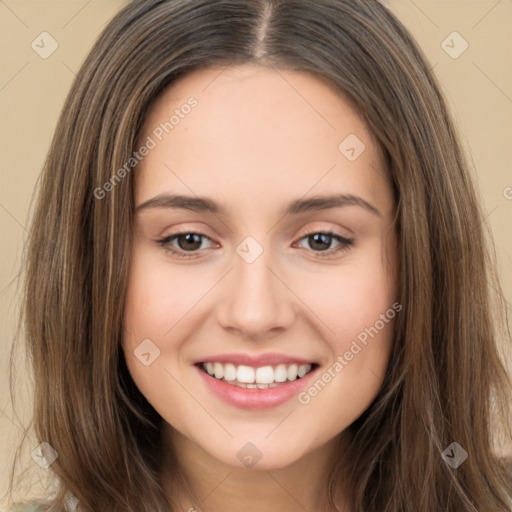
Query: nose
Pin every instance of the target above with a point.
(256, 302)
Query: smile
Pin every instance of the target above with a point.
(255, 381)
(262, 377)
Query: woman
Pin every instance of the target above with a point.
(263, 370)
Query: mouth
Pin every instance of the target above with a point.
(261, 377)
(255, 381)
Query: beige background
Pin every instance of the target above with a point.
(478, 86)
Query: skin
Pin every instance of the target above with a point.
(258, 139)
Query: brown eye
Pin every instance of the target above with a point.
(320, 242)
(187, 242)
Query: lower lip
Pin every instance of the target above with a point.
(254, 398)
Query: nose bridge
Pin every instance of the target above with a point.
(256, 300)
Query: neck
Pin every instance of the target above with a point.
(196, 481)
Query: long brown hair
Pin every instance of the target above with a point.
(445, 382)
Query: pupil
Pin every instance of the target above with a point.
(189, 237)
(317, 236)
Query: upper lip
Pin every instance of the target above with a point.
(256, 361)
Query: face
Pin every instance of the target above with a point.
(261, 301)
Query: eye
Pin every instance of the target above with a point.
(188, 242)
(320, 241)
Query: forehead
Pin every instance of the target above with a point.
(256, 130)
(261, 100)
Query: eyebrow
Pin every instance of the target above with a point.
(207, 205)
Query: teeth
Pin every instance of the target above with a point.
(280, 373)
(265, 375)
(256, 378)
(291, 373)
(303, 369)
(218, 369)
(230, 371)
(245, 374)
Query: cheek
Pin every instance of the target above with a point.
(353, 296)
(158, 295)
(151, 311)
(359, 306)
(348, 384)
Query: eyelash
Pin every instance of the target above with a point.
(345, 244)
